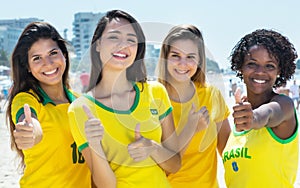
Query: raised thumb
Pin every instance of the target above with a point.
(137, 133)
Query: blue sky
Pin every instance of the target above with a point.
(222, 23)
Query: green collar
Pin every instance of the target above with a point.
(47, 99)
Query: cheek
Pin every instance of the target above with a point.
(134, 50)
(169, 66)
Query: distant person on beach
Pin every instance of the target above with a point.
(37, 111)
(181, 70)
(262, 150)
(132, 117)
(230, 88)
(294, 90)
(283, 90)
(84, 79)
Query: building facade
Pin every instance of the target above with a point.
(83, 28)
(10, 30)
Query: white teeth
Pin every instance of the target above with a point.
(119, 55)
(259, 81)
(50, 72)
(181, 71)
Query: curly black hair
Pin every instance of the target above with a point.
(277, 46)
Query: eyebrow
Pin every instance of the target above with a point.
(186, 54)
(269, 61)
(118, 32)
(53, 49)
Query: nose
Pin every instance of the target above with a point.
(124, 44)
(260, 69)
(183, 61)
(47, 60)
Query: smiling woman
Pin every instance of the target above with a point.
(128, 120)
(265, 122)
(37, 111)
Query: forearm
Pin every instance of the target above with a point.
(185, 136)
(167, 159)
(270, 115)
(101, 172)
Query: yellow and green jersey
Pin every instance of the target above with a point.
(258, 158)
(55, 161)
(199, 161)
(151, 104)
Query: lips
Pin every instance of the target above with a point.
(120, 55)
(181, 71)
(259, 81)
(50, 72)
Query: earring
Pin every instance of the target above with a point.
(278, 76)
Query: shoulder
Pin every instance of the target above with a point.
(207, 88)
(24, 96)
(151, 85)
(78, 102)
(283, 100)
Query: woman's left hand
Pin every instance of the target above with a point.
(142, 147)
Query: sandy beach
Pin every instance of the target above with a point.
(9, 178)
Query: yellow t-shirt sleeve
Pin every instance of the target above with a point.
(18, 103)
(162, 100)
(77, 119)
(220, 107)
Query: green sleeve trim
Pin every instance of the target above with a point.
(166, 113)
(288, 140)
(21, 111)
(83, 146)
(239, 133)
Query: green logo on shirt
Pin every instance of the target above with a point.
(236, 153)
(153, 111)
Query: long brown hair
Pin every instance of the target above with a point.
(137, 71)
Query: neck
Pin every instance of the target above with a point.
(181, 92)
(113, 84)
(257, 100)
(56, 93)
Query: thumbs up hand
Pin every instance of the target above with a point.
(28, 131)
(242, 112)
(200, 117)
(93, 128)
(142, 147)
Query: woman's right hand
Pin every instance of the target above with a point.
(200, 117)
(93, 129)
(28, 131)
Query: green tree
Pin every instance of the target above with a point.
(212, 66)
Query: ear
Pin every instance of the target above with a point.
(98, 45)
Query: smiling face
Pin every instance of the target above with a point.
(183, 59)
(118, 45)
(46, 62)
(260, 70)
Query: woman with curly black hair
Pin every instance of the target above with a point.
(262, 150)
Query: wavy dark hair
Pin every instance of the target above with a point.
(22, 79)
(182, 32)
(137, 71)
(277, 46)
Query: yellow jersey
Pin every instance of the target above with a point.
(258, 158)
(55, 161)
(199, 161)
(151, 104)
